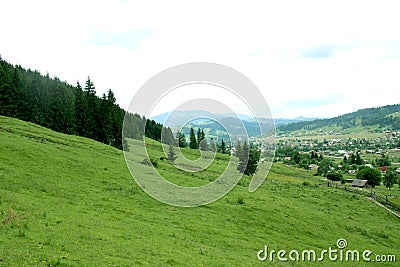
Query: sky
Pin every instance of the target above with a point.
(308, 58)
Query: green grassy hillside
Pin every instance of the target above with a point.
(70, 201)
(364, 120)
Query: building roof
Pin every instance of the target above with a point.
(359, 183)
(383, 168)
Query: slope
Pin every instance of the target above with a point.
(372, 119)
(70, 201)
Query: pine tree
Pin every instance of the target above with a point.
(181, 139)
(254, 157)
(238, 149)
(243, 157)
(223, 147)
(203, 145)
(193, 142)
(166, 136)
(212, 147)
(171, 154)
(8, 90)
(199, 137)
(90, 110)
(80, 113)
(358, 159)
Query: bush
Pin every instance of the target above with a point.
(240, 200)
(152, 161)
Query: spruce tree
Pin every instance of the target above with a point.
(212, 145)
(167, 136)
(223, 147)
(171, 154)
(254, 157)
(243, 157)
(203, 145)
(238, 149)
(193, 142)
(90, 110)
(199, 137)
(358, 160)
(181, 139)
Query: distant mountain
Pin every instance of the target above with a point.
(212, 123)
(179, 117)
(283, 121)
(375, 119)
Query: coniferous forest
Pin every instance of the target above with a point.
(30, 96)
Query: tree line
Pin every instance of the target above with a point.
(30, 96)
(200, 142)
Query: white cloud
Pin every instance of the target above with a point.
(299, 53)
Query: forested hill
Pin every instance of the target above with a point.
(386, 117)
(30, 96)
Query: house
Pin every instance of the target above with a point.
(349, 180)
(383, 168)
(313, 166)
(398, 171)
(368, 165)
(360, 183)
(352, 172)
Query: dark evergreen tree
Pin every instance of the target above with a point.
(8, 93)
(352, 159)
(166, 136)
(192, 141)
(212, 145)
(203, 145)
(358, 159)
(91, 110)
(80, 113)
(181, 139)
(171, 154)
(223, 147)
(243, 157)
(252, 164)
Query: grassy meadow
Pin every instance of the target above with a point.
(71, 201)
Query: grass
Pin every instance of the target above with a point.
(70, 201)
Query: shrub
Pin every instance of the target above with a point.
(240, 200)
(150, 161)
(334, 176)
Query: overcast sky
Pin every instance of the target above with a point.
(308, 58)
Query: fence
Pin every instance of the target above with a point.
(381, 199)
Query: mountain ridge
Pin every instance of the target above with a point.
(374, 119)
